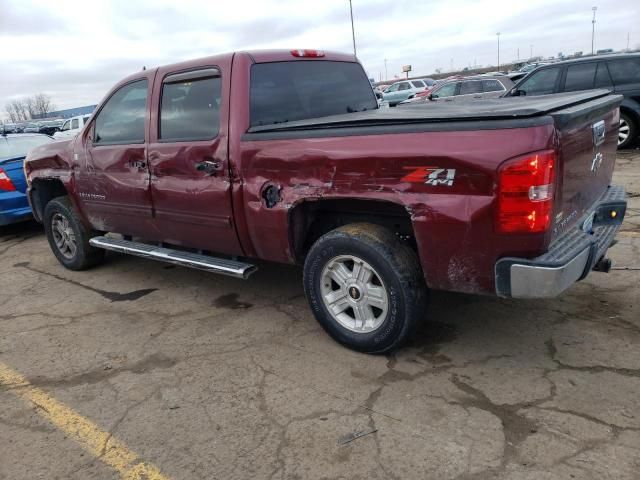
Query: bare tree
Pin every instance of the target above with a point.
(17, 110)
(42, 104)
(23, 109)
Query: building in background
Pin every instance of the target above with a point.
(69, 112)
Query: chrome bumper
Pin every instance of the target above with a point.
(570, 258)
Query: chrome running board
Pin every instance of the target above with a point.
(223, 266)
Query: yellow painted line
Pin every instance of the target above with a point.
(87, 434)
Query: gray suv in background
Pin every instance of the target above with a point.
(619, 73)
(481, 86)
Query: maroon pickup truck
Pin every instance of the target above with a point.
(284, 156)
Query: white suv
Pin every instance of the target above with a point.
(70, 128)
(400, 91)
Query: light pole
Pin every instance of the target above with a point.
(386, 74)
(353, 32)
(530, 51)
(593, 28)
(498, 35)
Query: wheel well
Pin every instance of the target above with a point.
(635, 116)
(42, 192)
(309, 220)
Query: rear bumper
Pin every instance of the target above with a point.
(570, 258)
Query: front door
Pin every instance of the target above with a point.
(114, 185)
(188, 160)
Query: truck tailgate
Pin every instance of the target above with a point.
(587, 143)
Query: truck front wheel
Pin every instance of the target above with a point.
(365, 287)
(68, 237)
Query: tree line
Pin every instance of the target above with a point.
(24, 109)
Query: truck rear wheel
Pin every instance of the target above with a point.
(68, 237)
(365, 287)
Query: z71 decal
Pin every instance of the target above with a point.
(431, 176)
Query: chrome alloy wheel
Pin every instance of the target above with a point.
(354, 294)
(63, 236)
(623, 131)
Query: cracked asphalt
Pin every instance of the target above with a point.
(210, 377)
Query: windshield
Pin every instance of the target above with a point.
(13, 147)
(288, 91)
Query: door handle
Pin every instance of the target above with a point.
(210, 167)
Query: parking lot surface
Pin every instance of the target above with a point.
(137, 369)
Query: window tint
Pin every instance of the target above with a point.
(190, 109)
(580, 77)
(541, 82)
(625, 70)
(417, 84)
(492, 86)
(446, 90)
(404, 86)
(287, 91)
(75, 124)
(603, 79)
(470, 87)
(121, 120)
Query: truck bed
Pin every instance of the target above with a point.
(562, 107)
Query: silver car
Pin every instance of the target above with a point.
(468, 88)
(401, 91)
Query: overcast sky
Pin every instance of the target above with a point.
(76, 50)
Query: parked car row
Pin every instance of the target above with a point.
(47, 127)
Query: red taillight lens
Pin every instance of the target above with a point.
(307, 53)
(525, 193)
(5, 182)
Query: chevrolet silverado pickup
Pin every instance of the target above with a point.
(283, 156)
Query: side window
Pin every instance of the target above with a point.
(446, 90)
(470, 87)
(121, 120)
(417, 84)
(580, 77)
(190, 106)
(393, 88)
(404, 86)
(75, 124)
(603, 79)
(492, 86)
(65, 126)
(541, 82)
(625, 70)
(85, 119)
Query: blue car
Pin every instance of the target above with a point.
(14, 206)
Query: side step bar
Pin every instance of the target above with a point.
(224, 266)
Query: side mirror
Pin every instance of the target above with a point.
(518, 93)
(378, 95)
(432, 96)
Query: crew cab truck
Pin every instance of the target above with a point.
(283, 156)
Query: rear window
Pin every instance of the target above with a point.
(287, 91)
(470, 87)
(625, 70)
(580, 77)
(492, 86)
(12, 147)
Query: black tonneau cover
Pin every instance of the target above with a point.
(562, 106)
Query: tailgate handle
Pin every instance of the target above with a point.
(598, 130)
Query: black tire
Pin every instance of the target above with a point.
(633, 130)
(85, 256)
(399, 270)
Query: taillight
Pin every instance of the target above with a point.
(5, 182)
(525, 193)
(307, 53)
